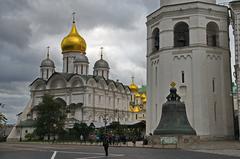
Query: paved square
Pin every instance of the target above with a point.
(57, 151)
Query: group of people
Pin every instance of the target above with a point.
(111, 140)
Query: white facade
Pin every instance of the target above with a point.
(100, 99)
(235, 14)
(188, 43)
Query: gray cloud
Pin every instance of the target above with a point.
(15, 31)
(27, 27)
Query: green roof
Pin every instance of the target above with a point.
(142, 89)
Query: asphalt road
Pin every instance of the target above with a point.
(49, 151)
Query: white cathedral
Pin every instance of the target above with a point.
(92, 98)
(188, 43)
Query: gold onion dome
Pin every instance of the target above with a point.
(73, 42)
(137, 95)
(133, 87)
(136, 109)
(143, 96)
(131, 108)
(144, 101)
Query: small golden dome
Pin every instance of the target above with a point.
(136, 109)
(143, 96)
(73, 42)
(131, 108)
(133, 87)
(144, 101)
(137, 95)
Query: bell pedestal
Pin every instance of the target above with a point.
(173, 142)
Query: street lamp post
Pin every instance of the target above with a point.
(105, 122)
(54, 131)
(20, 131)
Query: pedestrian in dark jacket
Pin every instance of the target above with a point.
(106, 145)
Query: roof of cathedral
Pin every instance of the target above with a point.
(68, 76)
(73, 42)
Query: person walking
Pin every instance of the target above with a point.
(106, 145)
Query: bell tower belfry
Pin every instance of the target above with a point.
(187, 42)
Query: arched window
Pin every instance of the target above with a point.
(212, 34)
(181, 34)
(155, 38)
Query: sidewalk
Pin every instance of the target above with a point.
(230, 148)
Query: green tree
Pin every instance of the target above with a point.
(3, 119)
(51, 116)
(82, 129)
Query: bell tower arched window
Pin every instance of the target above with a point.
(212, 34)
(181, 34)
(155, 39)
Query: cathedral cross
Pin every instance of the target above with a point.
(101, 52)
(48, 48)
(73, 14)
(133, 79)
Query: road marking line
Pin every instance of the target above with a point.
(89, 153)
(97, 157)
(54, 154)
(91, 157)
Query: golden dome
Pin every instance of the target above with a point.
(133, 87)
(73, 42)
(131, 108)
(137, 95)
(143, 96)
(144, 101)
(136, 109)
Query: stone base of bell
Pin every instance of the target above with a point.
(174, 141)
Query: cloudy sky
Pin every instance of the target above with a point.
(27, 27)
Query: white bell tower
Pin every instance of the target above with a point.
(187, 42)
(173, 2)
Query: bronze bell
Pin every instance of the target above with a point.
(174, 119)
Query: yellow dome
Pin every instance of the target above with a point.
(136, 109)
(144, 101)
(133, 87)
(73, 42)
(143, 96)
(131, 108)
(137, 95)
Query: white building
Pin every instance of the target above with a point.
(92, 98)
(188, 43)
(235, 14)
